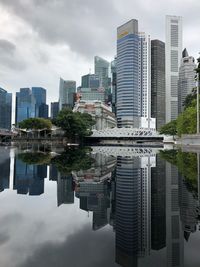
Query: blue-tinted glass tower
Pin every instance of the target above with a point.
(5, 109)
(42, 108)
(25, 105)
(128, 89)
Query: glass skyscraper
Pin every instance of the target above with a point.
(41, 108)
(101, 67)
(67, 92)
(128, 94)
(25, 105)
(90, 81)
(5, 109)
(173, 53)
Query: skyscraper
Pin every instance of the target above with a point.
(133, 77)
(186, 81)
(90, 81)
(114, 84)
(54, 109)
(158, 82)
(42, 109)
(173, 50)
(25, 105)
(67, 92)
(5, 109)
(128, 93)
(101, 67)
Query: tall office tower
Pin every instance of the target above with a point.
(42, 109)
(65, 190)
(174, 231)
(90, 81)
(5, 168)
(5, 109)
(173, 51)
(145, 74)
(25, 105)
(186, 81)
(133, 209)
(101, 68)
(54, 109)
(114, 84)
(67, 92)
(128, 93)
(158, 82)
(29, 178)
(158, 205)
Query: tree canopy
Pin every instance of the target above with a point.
(75, 124)
(35, 123)
(169, 128)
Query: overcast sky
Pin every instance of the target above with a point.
(42, 40)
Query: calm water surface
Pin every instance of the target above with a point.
(100, 207)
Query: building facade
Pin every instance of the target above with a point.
(54, 109)
(114, 84)
(158, 82)
(101, 113)
(173, 52)
(67, 92)
(5, 109)
(101, 67)
(90, 81)
(186, 81)
(41, 108)
(25, 105)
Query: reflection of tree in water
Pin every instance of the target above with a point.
(37, 158)
(187, 166)
(73, 160)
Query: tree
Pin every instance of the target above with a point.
(169, 128)
(36, 124)
(75, 124)
(190, 99)
(186, 122)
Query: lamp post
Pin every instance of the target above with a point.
(198, 81)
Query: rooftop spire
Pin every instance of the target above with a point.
(185, 53)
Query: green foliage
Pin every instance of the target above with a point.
(190, 99)
(74, 123)
(37, 158)
(35, 123)
(186, 164)
(169, 128)
(72, 160)
(187, 122)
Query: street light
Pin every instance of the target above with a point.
(198, 81)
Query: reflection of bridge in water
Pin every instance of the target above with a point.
(5, 135)
(126, 151)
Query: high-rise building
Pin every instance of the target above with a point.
(173, 51)
(133, 77)
(54, 109)
(128, 94)
(42, 109)
(101, 67)
(114, 84)
(186, 81)
(88, 94)
(25, 105)
(90, 81)
(158, 82)
(5, 109)
(67, 92)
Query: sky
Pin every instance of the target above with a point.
(43, 40)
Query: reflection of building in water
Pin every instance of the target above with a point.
(93, 189)
(175, 245)
(29, 178)
(4, 168)
(133, 209)
(158, 205)
(188, 209)
(53, 173)
(65, 189)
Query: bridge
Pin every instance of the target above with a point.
(125, 136)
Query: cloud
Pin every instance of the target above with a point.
(86, 248)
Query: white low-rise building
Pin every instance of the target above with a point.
(100, 112)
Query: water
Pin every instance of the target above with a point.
(103, 206)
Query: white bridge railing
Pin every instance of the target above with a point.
(125, 132)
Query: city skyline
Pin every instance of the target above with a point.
(34, 55)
